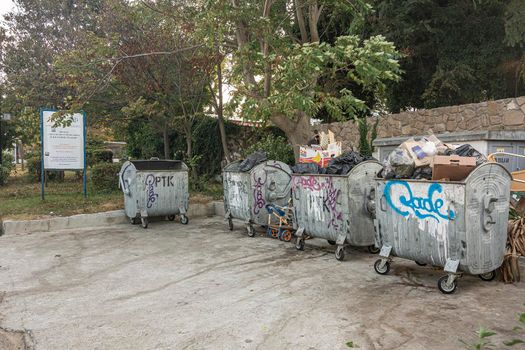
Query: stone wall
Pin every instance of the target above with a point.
(506, 114)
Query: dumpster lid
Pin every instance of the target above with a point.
(158, 164)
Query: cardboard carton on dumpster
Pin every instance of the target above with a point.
(453, 168)
(321, 154)
(315, 154)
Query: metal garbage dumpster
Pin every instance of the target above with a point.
(338, 208)
(247, 193)
(461, 226)
(154, 188)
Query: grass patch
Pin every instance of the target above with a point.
(20, 199)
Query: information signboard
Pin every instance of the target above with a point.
(63, 146)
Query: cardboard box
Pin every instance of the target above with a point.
(315, 154)
(453, 168)
(415, 150)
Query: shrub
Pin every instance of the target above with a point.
(99, 156)
(104, 176)
(275, 147)
(5, 167)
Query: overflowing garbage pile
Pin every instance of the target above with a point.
(341, 165)
(431, 159)
(252, 160)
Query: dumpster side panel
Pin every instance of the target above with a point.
(271, 183)
(164, 192)
(321, 205)
(361, 189)
(488, 192)
(237, 194)
(422, 221)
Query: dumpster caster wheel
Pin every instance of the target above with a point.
(331, 242)
(340, 253)
(171, 217)
(250, 230)
(382, 270)
(445, 287)
(133, 221)
(230, 224)
(144, 222)
(373, 249)
(489, 276)
(184, 220)
(420, 263)
(299, 244)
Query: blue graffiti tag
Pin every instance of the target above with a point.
(422, 207)
(150, 190)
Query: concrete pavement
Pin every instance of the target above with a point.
(203, 287)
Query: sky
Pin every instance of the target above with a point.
(5, 6)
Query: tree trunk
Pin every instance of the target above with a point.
(166, 142)
(220, 115)
(298, 131)
(22, 155)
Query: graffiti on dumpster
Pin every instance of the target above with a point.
(258, 197)
(151, 183)
(400, 197)
(325, 193)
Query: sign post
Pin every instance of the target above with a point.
(63, 147)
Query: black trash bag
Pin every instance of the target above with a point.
(307, 168)
(252, 160)
(423, 173)
(467, 150)
(344, 163)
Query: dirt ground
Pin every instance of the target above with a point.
(203, 287)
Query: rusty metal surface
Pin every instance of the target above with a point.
(432, 222)
(331, 206)
(247, 193)
(155, 192)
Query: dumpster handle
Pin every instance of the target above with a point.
(382, 203)
(488, 205)
(123, 182)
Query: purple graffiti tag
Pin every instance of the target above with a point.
(258, 196)
(150, 190)
(309, 182)
(330, 204)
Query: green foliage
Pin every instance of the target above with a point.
(369, 64)
(351, 344)
(454, 52)
(6, 167)
(142, 142)
(104, 177)
(99, 156)
(275, 147)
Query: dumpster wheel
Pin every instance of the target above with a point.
(331, 242)
(133, 221)
(372, 249)
(184, 219)
(340, 253)
(171, 217)
(250, 230)
(299, 243)
(144, 222)
(445, 287)
(382, 270)
(489, 276)
(230, 224)
(420, 263)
